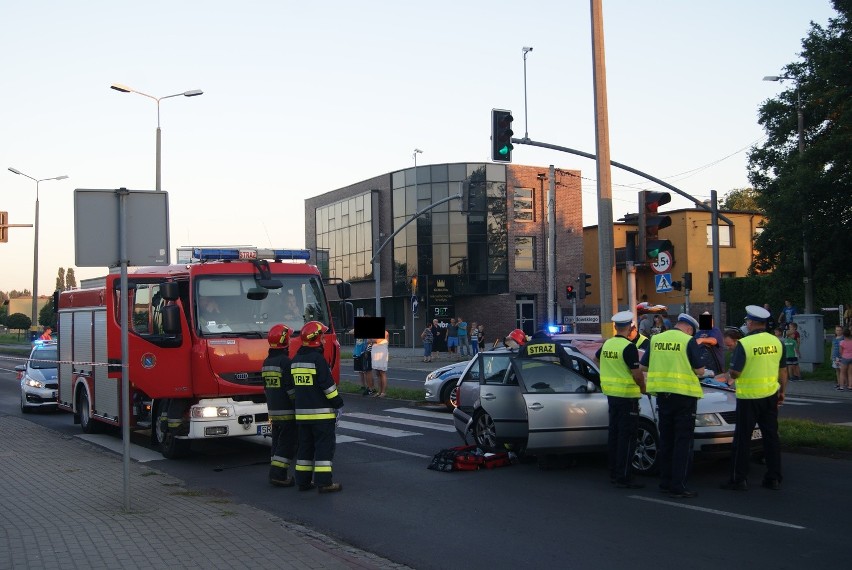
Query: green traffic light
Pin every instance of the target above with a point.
(504, 150)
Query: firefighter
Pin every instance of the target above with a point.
(317, 402)
(540, 345)
(761, 375)
(515, 339)
(278, 385)
(623, 384)
(673, 362)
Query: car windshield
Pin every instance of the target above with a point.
(222, 307)
(43, 358)
(547, 377)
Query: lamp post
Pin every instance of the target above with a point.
(34, 323)
(125, 89)
(800, 116)
(414, 291)
(526, 50)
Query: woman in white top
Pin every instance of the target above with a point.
(380, 362)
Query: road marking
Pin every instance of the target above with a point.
(378, 430)
(422, 413)
(394, 450)
(718, 512)
(137, 453)
(844, 424)
(403, 421)
(810, 400)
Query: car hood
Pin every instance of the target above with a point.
(457, 367)
(717, 400)
(43, 374)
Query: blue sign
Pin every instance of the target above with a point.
(663, 282)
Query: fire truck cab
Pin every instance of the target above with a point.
(196, 343)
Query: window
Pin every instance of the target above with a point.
(525, 253)
(549, 378)
(725, 239)
(494, 368)
(524, 201)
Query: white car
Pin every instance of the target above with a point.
(39, 379)
(440, 384)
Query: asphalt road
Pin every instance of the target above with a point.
(518, 515)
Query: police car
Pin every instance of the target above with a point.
(38, 377)
(538, 407)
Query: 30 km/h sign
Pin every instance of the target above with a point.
(663, 264)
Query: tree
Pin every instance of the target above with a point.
(741, 199)
(46, 316)
(806, 195)
(70, 279)
(19, 321)
(60, 280)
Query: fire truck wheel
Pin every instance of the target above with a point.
(84, 409)
(170, 446)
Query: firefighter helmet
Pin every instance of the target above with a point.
(517, 337)
(279, 336)
(312, 332)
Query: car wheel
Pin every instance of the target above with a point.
(170, 446)
(449, 394)
(647, 446)
(484, 431)
(84, 408)
(25, 409)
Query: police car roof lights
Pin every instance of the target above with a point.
(248, 253)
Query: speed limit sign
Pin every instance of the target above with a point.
(663, 264)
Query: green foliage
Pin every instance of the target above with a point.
(60, 280)
(19, 322)
(70, 279)
(806, 433)
(46, 316)
(806, 194)
(741, 199)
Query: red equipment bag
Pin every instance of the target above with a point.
(467, 458)
(492, 460)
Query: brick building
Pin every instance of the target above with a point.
(486, 264)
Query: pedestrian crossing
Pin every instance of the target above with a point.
(353, 426)
(794, 401)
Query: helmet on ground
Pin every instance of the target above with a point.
(312, 332)
(517, 337)
(279, 336)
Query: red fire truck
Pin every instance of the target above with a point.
(197, 340)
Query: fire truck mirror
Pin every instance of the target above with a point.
(171, 319)
(169, 291)
(257, 293)
(269, 283)
(347, 315)
(344, 290)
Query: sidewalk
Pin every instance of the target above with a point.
(63, 507)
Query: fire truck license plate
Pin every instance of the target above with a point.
(756, 434)
(264, 429)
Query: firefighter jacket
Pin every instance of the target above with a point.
(316, 392)
(669, 368)
(278, 385)
(546, 349)
(759, 377)
(616, 377)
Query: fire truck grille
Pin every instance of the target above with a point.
(244, 378)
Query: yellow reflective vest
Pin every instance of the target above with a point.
(616, 377)
(759, 376)
(669, 369)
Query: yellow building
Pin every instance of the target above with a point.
(690, 234)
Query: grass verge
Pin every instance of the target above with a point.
(813, 435)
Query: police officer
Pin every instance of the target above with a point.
(637, 338)
(623, 384)
(540, 345)
(278, 386)
(673, 362)
(317, 402)
(761, 375)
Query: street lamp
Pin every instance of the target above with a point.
(126, 89)
(34, 323)
(809, 286)
(526, 50)
(414, 282)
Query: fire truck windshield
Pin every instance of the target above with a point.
(223, 309)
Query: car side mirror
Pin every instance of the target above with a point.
(21, 368)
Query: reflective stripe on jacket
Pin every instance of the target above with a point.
(316, 393)
(278, 385)
(616, 377)
(669, 370)
(759, 376)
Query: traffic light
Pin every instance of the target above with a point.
(585, 285)
(677, 285)
(501, 135)
(650, 223)
(570, 293)
(4, 231)
(687, 281)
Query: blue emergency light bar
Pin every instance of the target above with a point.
(231, 254)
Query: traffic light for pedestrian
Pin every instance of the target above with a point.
(501, 135)
(570, 293)
(650, 223)
(4, 231)
(585, 285)
(687, 281)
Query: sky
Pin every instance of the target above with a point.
(301, 98)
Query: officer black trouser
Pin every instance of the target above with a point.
(623, 424)
(285, 439)
(316, 451)
(676, 416)
(764, 412)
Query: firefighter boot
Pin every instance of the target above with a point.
(332, 488)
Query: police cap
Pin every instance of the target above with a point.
(622, 319)
(688, 319)
(757, 313)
